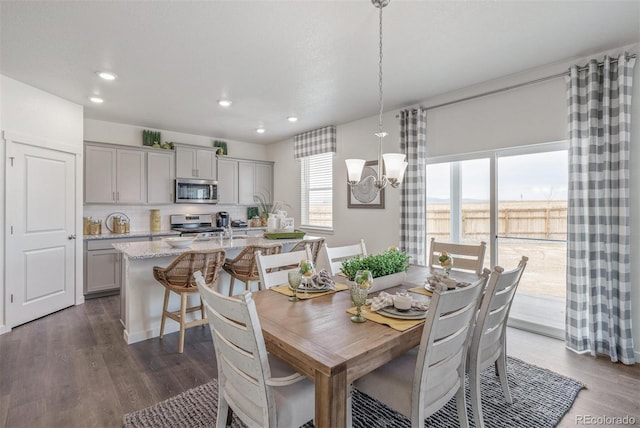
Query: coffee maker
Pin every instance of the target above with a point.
(222, 219)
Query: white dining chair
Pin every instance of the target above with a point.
(423, 380)
(465, 256)
(488, 343)
(259, 388)
(274, 268)
(335, 255)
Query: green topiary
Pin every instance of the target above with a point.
(386, 263)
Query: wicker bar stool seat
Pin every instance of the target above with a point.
(178, 278)
(244, 266)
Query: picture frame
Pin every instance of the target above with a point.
(364, 194)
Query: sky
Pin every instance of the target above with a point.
(533, 177)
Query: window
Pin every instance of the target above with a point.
(316, 198)
(526, 188)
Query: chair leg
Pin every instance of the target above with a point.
(202, 315)
(183, 313)
(501, 364)
(233, 279)
(476, 401)
(164, 311)
(461, 402)
(224, 412)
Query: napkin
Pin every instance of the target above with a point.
(385, 299)
(436, 279)
(322, 281)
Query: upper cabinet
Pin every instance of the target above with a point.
(254, 177)
(160, 177)
(114, 176)
(192, 162)
(227, 181)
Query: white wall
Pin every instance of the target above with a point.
(522, 116)
(130, 135)
(32, 112)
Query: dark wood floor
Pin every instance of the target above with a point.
(73, 369)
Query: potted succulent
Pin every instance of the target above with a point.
(388, 268)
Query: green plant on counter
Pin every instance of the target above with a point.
(386, 263)
(265, 208)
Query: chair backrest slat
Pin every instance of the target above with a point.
(335, 255)
(314, 245)
(465, 257)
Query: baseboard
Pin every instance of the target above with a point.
(4, 329)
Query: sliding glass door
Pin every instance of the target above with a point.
(516, 201)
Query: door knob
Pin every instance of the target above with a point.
(72, 236)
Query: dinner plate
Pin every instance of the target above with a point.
(411, 314)
(302, 289)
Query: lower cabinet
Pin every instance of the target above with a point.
(102, 266)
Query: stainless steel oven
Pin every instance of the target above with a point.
(194, 191)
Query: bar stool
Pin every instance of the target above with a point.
(314, 246)
(244, 266)
(178, 278)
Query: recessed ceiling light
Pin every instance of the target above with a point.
(260, 130)
(106, 75)
(96, 100)
(292, 119)
(224, 103)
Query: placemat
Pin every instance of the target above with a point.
(394, 323)
(284, 289)
(421, 290)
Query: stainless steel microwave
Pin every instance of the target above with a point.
(194, 191)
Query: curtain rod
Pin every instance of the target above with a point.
(518, 85)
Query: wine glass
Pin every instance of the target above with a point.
(307, 270)
(446, 262)
(359, 291)
(295, 277)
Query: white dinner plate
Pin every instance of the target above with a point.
(302, 289)
(411, 314)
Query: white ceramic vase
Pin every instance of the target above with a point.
(387, 281)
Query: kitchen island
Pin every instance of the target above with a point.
(141, 296)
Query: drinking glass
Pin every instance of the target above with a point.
(295, 278)
(359, 291)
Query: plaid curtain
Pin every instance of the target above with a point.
(598, 254)
(413, 137)
(316, 142)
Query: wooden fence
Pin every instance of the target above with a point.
(526, 219)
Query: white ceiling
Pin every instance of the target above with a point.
(313, 59)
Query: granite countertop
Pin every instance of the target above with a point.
(152, 249)
(132, 234)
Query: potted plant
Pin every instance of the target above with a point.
(265, 208)
(388, 268)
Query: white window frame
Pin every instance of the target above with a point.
(304, 192)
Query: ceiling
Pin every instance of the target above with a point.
(313, 59)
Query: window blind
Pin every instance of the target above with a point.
(317, 191)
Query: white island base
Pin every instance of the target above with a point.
(142, 297)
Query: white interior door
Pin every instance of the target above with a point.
(40, 239)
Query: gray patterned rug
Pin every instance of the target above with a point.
(540, 399)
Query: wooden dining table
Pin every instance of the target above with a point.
(317, 337)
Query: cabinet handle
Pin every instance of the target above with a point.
(71, 236)
(117, 196)
(113, 196)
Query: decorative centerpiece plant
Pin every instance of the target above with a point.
(265, 208)
(386, 263)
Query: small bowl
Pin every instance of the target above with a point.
(402, 302)
(179, 242)
(449, 282)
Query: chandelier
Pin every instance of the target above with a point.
(394, 166)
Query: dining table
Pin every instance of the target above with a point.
(317, 337)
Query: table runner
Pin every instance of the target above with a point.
(421, 290)
(284, 289)
(394, 323)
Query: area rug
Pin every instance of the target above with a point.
(540, 399)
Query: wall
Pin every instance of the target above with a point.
(130, 135)
(527, 115)
(30, 111)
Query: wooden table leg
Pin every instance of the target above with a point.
(331, 400)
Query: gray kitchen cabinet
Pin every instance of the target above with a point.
(192, 162)
(103, 265)
(227, 181)
(114, 175)
(254, 177)
(160, 177)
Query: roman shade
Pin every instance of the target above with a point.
(318, 141)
